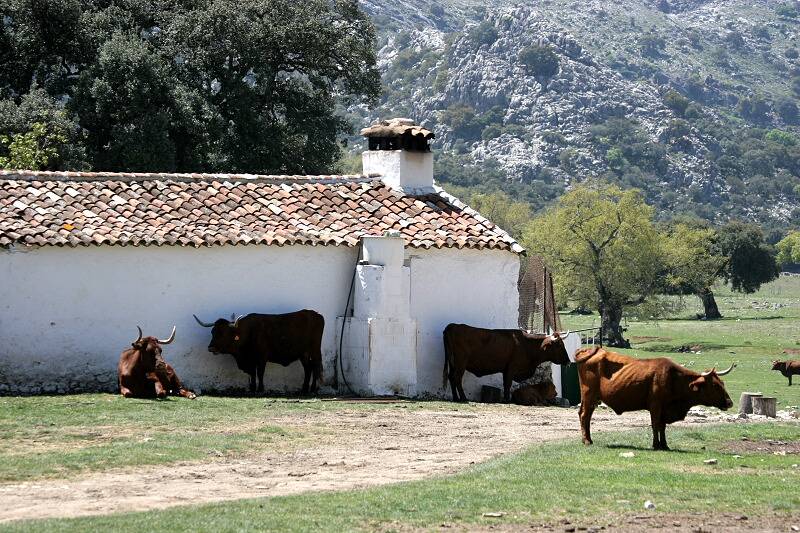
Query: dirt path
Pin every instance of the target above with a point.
(350, 448)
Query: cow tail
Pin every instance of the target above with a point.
(447, 354)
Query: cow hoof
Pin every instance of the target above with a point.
(587, 442)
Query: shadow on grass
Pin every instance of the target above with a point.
(640, 448)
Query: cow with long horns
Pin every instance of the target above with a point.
(481, 352)
(143, 373)
(255, 340)
(658, 385)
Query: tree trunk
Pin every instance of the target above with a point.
(611, 316)
(709, 304)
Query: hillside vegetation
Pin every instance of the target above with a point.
(693, 101)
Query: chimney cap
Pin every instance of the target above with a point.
(397, 127)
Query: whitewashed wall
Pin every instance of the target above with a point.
(475, 287)
(67, 313)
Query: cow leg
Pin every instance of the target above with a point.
(307, 377)
(663, 434)
(507, 381)
(659, 430)
(261, 368)
(790, 380)
(252, 383)
(585, 416)
(589, 400)
(175, 385)
(458, 378)
(126, 392)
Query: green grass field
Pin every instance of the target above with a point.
(589, 484)
(756, 329)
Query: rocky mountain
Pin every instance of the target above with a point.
(693, 101)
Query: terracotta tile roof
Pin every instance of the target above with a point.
(81, 209)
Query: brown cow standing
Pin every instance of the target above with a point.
(787, 368)
(482, 352)
(659, 385)
(143, 373)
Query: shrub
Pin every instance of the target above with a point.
(483, 33)
(788, 111)
(787, 10)
(734, 39)
(791, 53)
(491, 131)
(652, 44)
(781, 137)
(539, 60)
(676, 101)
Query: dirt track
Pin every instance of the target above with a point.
(357, 448)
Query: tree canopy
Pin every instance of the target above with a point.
(604, 250)
(184, 85)
(789, 249)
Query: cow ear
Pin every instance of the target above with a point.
(695, 385)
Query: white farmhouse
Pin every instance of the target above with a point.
(86, 257)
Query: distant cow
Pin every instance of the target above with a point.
(255, 340)
(537, 394)
(659, 385)
(489, 351)
(143, 373)
(787, 368)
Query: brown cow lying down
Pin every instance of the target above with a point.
(537, 394)
(143, 373)
(787, 368)
(659, 385)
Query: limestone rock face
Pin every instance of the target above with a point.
(438, 56)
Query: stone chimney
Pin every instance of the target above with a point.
(399, 150)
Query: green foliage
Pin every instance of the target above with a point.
(677, 133)
(693, 262)
(676, 101)
(234, 85)
(750, 260)
(602, 245)
(539, 60)
(789, 249)
(469, 124)
(784, 138)
(501, 209)
(788, 111)
(483, 33)
(734, 39)
(754, 108)
(652, 44)
(35, 150)
(787, 10)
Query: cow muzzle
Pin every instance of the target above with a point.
(727, 404)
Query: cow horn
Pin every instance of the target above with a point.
(707, 372)
(236, 322)
(726, 371)
(140, 334)
(170, 339)
(564, 335)
(202, 323)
